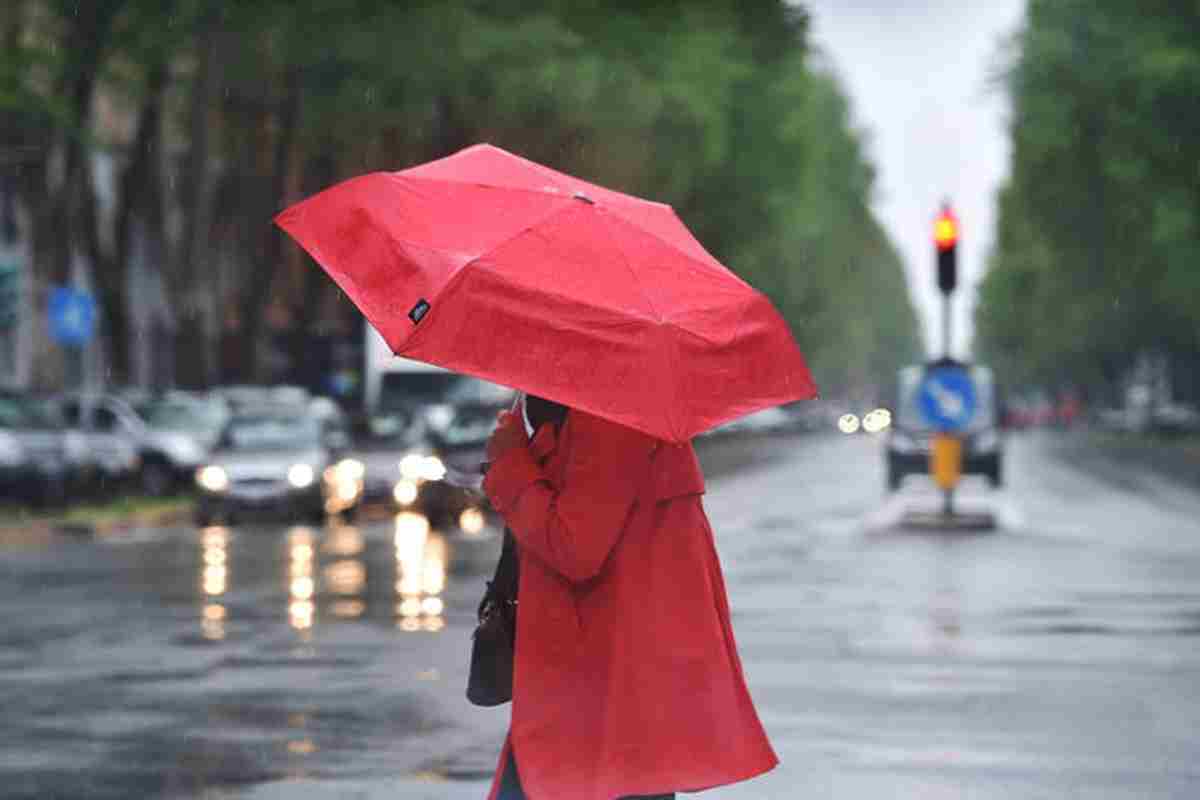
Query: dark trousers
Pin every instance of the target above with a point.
(510, 786)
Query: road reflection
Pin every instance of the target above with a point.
(336, 573)
(214, 581)
(420, 574)
(302, 610)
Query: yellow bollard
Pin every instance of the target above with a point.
(945, 460)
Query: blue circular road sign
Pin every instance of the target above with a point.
(72, 316)
(946, 398)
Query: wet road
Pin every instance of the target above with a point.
(1055, 657)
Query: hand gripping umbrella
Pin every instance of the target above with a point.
(492, 265)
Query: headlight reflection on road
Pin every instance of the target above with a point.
(214, 581)
(420, 574)
(347, 579)
(301, 609)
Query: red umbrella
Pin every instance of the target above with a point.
(492, 265)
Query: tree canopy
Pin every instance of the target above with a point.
(1098, 242)
(218, 115)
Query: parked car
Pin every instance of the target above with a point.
(240, 397)
(165, 457)
(909, 438)
(33, 464)
(110, 433)
(278, 460)
(181, 428)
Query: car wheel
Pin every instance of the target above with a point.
(53, 494)
(157, 478)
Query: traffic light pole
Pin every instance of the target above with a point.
(948, 493)
(945, 237)
(946, 324)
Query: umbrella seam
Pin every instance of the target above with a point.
(724, 270)
(658, 317)
(614, 207)
(562, 192)
(542, 169)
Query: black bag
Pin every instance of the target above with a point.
(494, 641)
(495, 638)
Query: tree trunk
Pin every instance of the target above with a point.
(73, 203)
(318, 175)
(255, 300)
(195, 286)
(140, 231)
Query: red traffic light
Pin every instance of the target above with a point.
(945, 230)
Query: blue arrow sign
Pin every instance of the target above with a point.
(947, 398)
(72, 316)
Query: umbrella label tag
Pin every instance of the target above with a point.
(419, 311)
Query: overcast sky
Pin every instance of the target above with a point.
(920, 75)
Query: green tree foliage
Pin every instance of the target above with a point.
(714, 107)
(1098, 240)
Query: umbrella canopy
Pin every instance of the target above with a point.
(489, 264)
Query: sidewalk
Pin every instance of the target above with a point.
(1110, 455)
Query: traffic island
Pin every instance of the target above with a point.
(97, 519)
(957, 521)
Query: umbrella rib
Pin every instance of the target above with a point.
(628, 266)
(616, 208)
(559, 191)
(715, 263)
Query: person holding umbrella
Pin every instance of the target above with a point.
(626, 681)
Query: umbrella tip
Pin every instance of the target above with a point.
(584, 198)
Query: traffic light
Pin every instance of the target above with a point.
(945, 239)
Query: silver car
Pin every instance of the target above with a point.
(279, 462)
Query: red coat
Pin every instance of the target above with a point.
(627, 680)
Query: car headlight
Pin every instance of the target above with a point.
(418, 467)
(471, 520)
(300, 475)
(986, 442)
(435, 470)
(878, 420)
(212, 478)
(11, 452)
(405, 492)
(349, 469)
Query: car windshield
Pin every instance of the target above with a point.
(272, 433)
(403, 390)
(473, 391)
(184, 415)
(24, 412)
(12, 413)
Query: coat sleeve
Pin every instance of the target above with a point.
(573, 528)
